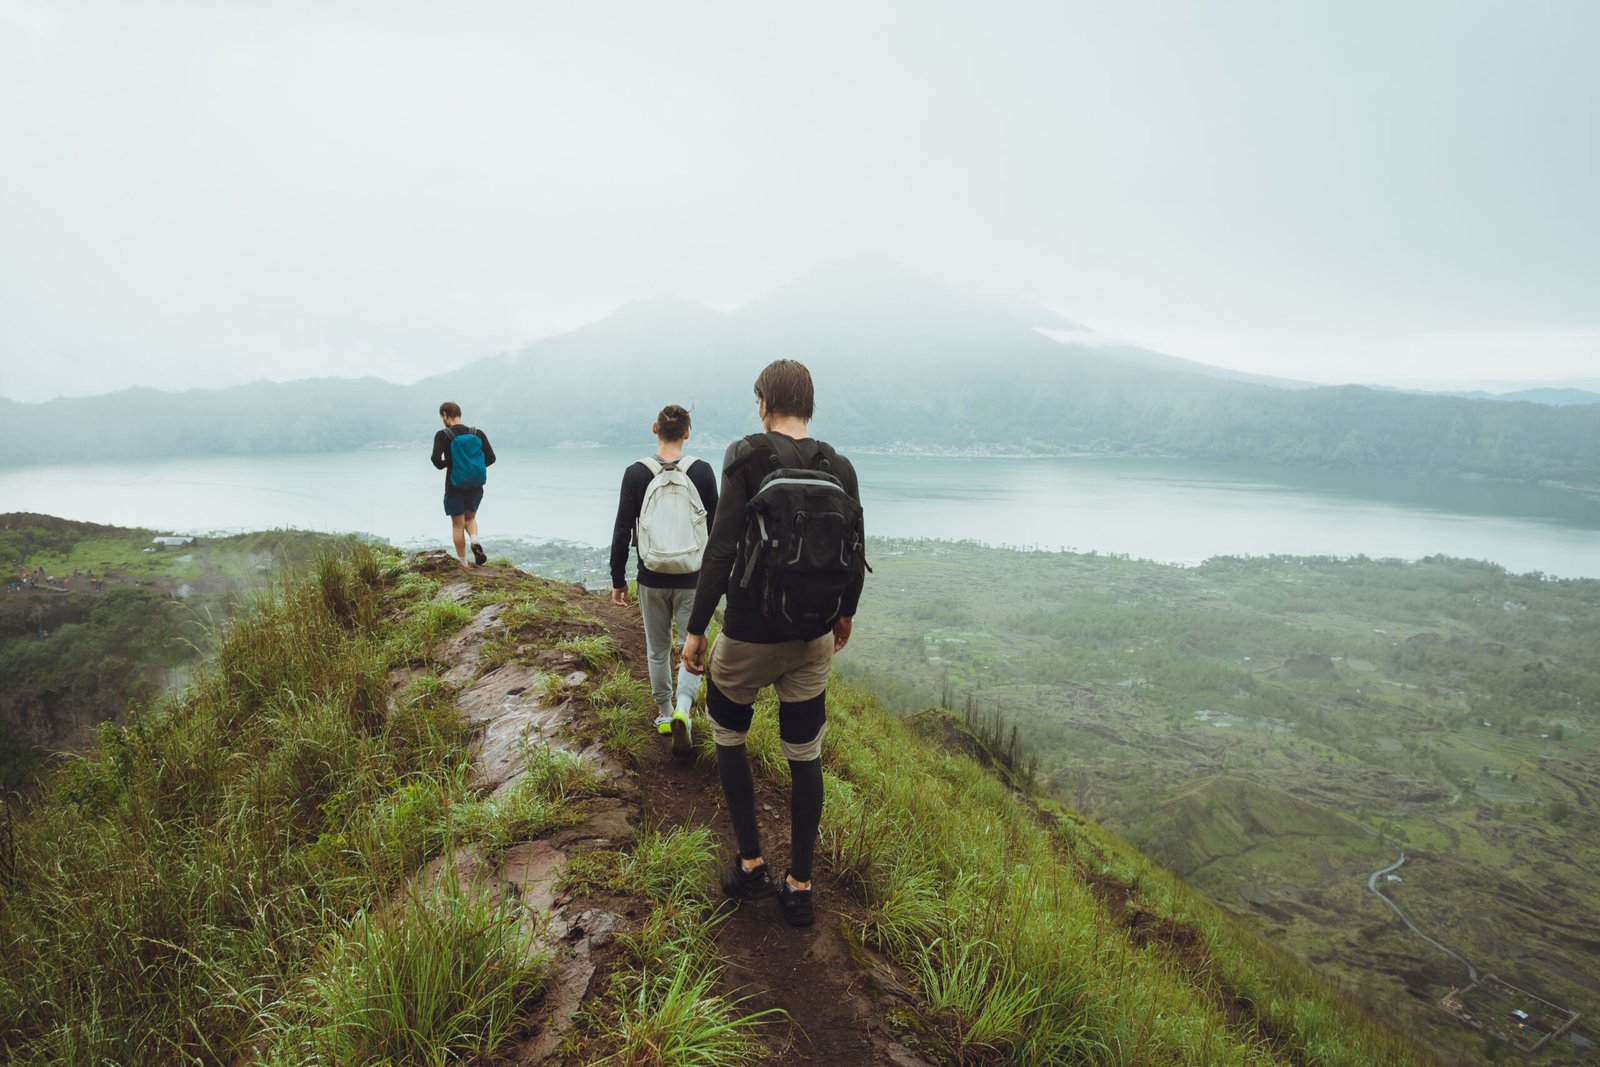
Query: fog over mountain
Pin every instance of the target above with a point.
(204, 195)
(903, 362)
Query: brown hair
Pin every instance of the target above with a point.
(785, 385)
(450, 409)
(673, 423)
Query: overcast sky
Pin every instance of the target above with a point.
(204, 193)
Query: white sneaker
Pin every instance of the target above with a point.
(664, 722)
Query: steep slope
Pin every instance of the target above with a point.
(90, 621)
(1031, 313)
(600, 382)
(901, 361)
(1134, 356)
(416, 814)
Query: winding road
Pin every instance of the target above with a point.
(1372, 884)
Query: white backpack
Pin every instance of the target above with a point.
(671, 531)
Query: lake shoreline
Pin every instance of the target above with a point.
(1163, 510)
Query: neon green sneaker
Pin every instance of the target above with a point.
(664, 723)
(682, 735)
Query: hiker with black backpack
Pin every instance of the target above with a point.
(465, 456)
(788, 551)
(668, 503)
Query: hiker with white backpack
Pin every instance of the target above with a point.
(666, 508)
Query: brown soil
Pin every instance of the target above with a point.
(830, 990)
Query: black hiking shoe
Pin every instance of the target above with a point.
(479, 554)
(747, 885)
(795, 904)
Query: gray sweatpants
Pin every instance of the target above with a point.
(662, 608)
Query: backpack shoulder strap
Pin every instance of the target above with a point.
(825, 457)
(758, 446)
(684, 463)
(653, 465)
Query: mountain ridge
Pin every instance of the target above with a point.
(897, 357)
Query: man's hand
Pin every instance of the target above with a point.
(694, 653)
(841, 634)
(619, 597)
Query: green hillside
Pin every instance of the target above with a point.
(92, 617)
(410, 810)
(1221, 820)
(1274, 730)
(893, 353)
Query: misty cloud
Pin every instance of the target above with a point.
(210, 194)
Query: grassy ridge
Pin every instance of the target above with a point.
(1013, 918)
(231, 876)
(203, 886)
(127, 636)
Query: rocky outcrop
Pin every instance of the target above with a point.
(513, 709)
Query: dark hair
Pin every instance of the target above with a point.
(451, 409)
(785, 385)
(673, 423)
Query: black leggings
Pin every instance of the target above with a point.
(805, 796)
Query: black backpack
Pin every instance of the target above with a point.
(803, 543)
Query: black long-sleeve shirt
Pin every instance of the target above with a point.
(443, 460)
(742, 621)
(635, 480)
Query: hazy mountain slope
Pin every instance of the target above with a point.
(1555, 396)
(1551, 396)
(900, 361)
(1135, 356)
(311, 415)
(1030, 313)
(606, 381)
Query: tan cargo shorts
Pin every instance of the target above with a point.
(797, 670)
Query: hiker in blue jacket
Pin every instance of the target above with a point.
(464, 454)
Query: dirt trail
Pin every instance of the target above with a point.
(835, 1008)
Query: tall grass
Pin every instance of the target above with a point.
(444, 974)
(170, 887)
(663, 1007)
(1017, 960)
(626, 709)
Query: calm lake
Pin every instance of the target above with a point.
(1167, 510)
